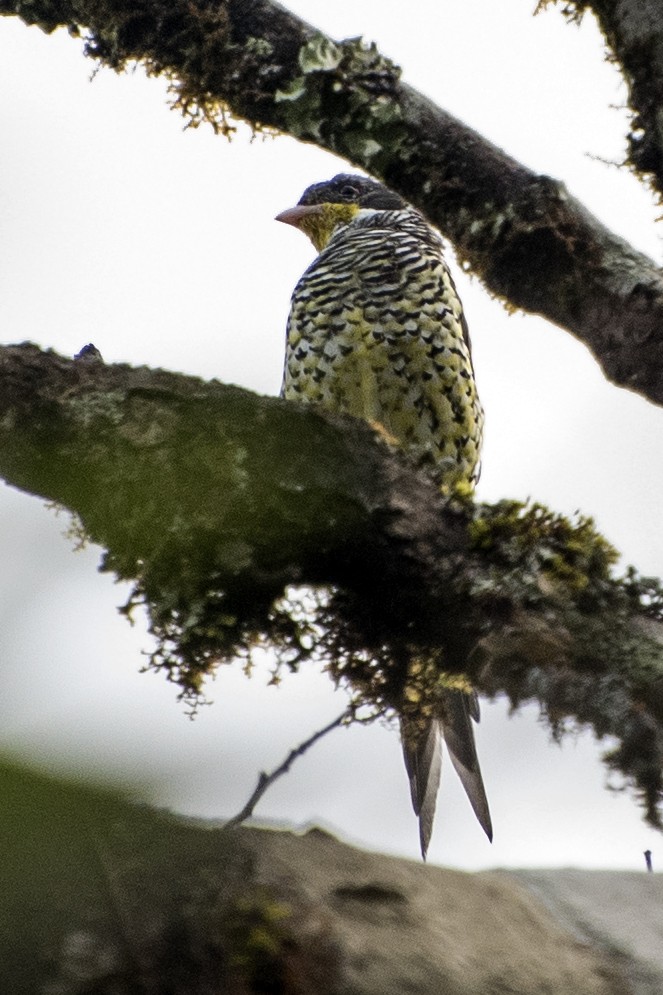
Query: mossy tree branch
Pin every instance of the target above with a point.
(215, 502)
(633, 30)
(528, 240)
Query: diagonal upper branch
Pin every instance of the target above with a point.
(529, 241)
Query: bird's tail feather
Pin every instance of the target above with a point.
(459, 710)
(423, 760)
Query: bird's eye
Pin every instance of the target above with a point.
(349, 192)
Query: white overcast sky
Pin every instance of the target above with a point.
(159, 245)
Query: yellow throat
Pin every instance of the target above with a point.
(321, 223)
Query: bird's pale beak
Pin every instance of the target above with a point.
(295, 215)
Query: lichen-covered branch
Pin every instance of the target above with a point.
(218, 506)
(633, 30)
(529, 241)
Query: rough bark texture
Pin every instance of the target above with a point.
(100, 897)
(215, 502)
(527, 239)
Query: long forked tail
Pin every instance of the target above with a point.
(423, 760)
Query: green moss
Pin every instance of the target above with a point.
(257, 931)
(570, 552)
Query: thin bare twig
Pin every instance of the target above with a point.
(265, 780)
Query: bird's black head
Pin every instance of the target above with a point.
(326, 207)
(347, 188)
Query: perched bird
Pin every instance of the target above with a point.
(376, 330)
